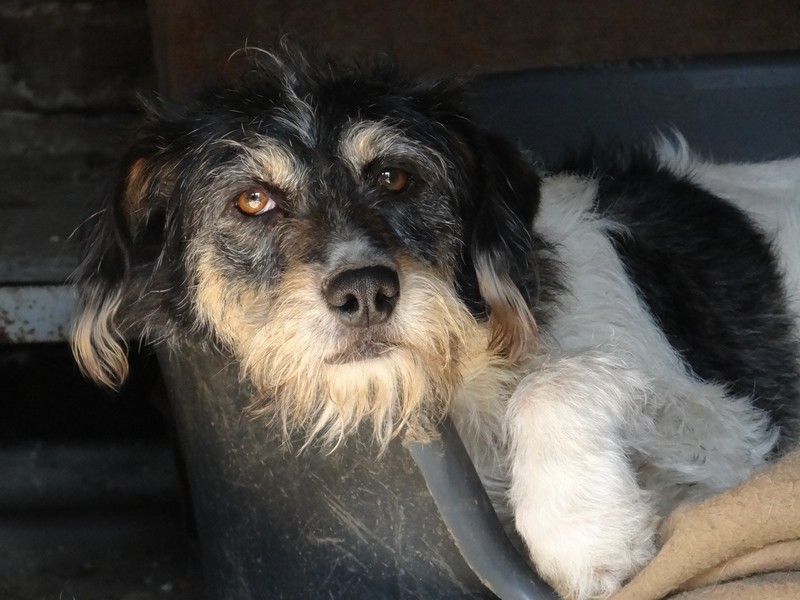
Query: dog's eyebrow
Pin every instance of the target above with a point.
(271, 161)
(367, 141)
(298, 117)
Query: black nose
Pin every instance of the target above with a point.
(363, 297)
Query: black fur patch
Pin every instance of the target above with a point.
(711, 281)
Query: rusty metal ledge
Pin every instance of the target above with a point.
(35, 313)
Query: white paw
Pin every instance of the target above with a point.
(590, 558)
(574, 493)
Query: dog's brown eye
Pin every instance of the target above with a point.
(393, 179)
(255, 201)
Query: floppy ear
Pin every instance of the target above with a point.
(503, 243)
(112, 248)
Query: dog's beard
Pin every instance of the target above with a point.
(320, 382)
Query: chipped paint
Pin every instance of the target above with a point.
(35, 313)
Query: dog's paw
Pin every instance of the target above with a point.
(590, 559)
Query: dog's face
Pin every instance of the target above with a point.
(349, 235)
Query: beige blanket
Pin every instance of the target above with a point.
(741, 545)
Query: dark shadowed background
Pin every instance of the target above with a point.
(90, 506)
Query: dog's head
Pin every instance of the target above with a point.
(349, 234)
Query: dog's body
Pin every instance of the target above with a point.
(629, 375)
(610, 340)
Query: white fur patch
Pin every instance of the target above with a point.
(576, 501)
(609, 430)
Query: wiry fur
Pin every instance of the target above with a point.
(286, 341)
(610, 340)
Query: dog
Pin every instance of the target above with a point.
(611, 338)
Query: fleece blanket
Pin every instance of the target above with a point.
(743, 544)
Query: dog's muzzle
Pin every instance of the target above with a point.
(363, 297)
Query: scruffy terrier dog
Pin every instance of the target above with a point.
(610, 339)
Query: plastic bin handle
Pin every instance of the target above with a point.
(467, 511)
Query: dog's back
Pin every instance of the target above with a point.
(711, 251)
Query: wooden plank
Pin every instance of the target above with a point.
(195, 38)
(88, 55)
(68, 78)
(52, 167)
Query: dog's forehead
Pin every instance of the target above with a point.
(291, 132)
(289, 143)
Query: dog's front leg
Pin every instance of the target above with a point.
(576, 502)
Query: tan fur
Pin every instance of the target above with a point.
(98, 345)
(367, 141)
(512, 324)
(137, 182)
(274, 162)
(285, 337)
(148, 181)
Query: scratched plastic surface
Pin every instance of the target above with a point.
(273, 524)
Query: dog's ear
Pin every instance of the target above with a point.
(115, 242)
(503, 242)
(503, 190)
